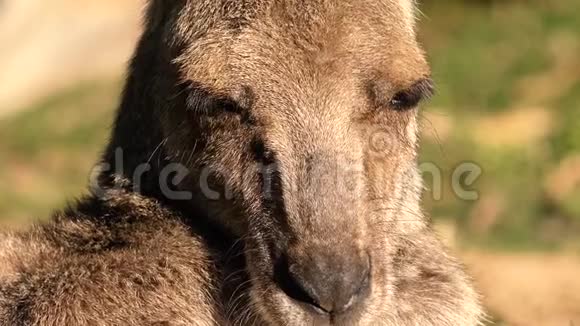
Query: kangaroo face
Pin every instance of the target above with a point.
(304, 114)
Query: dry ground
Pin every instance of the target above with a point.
(47, 46)
(529, 289)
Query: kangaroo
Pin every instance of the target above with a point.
(262, 170)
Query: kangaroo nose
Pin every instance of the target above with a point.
(329, 283)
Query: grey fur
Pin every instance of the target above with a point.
(231, 86)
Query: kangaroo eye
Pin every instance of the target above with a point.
(382, 96)
(227, 105)
(410, 97)
(405, 100)
(203, 102)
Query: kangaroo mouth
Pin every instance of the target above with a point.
(310, 285)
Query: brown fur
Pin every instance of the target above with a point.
(304, 86)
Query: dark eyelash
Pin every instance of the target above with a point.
(411, 97)
(203, 102)
(405, 100)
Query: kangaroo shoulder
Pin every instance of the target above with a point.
(127, 262)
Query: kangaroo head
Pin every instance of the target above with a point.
(297, 121)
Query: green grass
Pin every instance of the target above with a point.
(567, 139)
(482, 53)
(50, 149)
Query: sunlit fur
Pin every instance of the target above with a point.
(231, 86)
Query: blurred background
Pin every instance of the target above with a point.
(508, 74)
